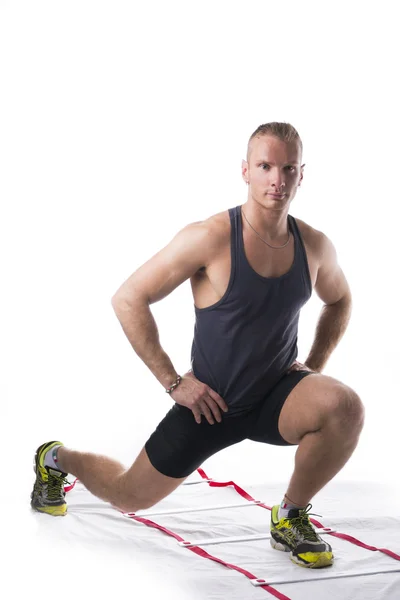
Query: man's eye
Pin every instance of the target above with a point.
(265, 165)
(291, 168)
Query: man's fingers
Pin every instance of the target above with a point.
(214, 409)
(202, 408)
(206, 412)
(197, 414)
(220, 401)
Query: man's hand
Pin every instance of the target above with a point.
(298, 366)
(200, 398)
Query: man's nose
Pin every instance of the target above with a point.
(278, 180)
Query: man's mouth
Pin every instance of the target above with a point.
(276, 195)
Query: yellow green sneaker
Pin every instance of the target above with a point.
(48, 495)
(295, 534)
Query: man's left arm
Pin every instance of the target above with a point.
(332, 287)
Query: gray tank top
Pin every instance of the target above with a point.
(245, 342)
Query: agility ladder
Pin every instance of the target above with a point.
(255, 581)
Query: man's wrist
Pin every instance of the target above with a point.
(313, 366)
(169, 379)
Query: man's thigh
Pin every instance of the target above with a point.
(179, 445)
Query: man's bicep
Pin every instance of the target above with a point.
(169, 268)
(331, 284)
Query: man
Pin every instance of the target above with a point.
(251, 269)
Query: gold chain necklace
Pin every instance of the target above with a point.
(265, 242)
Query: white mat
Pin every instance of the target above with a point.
(96, 550)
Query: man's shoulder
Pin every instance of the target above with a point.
(219, 225)
(212, 233)
(312, 237)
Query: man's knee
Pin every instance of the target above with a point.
(126, 497)
(132, 505)
(347, 409)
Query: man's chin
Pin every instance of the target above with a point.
(277, 205)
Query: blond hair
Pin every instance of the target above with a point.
(283, 131)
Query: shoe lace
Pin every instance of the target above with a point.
(303, 525)
(55, 487)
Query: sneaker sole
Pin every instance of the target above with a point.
(325, 559)
(54, 511)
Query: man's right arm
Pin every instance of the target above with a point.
(188, 251)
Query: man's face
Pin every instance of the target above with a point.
(273, 171)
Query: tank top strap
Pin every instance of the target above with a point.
(236, 233)
(300, 251)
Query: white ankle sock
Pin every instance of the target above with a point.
(50, 458)
(285, 507)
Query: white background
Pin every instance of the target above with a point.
(121, 122)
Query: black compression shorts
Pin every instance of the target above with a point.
(179, 445)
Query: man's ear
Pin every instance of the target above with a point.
(245, 171)
(301, 173)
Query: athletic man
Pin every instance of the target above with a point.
(251, 269)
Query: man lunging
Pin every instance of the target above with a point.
(251, 268)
